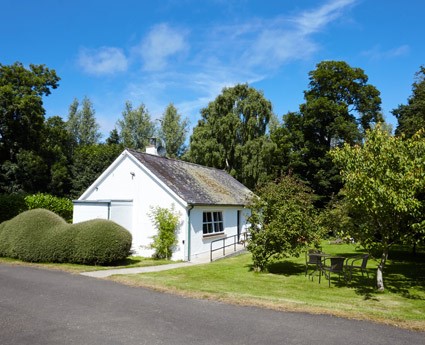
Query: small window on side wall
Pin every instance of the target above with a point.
(212, 223)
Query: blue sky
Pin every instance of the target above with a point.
(186, 51)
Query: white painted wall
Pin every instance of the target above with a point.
(129, 180)
(201, 244)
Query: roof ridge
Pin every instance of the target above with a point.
(177, 160)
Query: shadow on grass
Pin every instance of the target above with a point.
(126, 262)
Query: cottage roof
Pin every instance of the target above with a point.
(196, 184)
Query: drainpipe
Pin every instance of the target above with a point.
(188, 232)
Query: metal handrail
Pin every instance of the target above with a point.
(235, 242)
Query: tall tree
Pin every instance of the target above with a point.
(231, 132)
(82, 123)
(411, 116)
(21, 107)
(172, 131)
(384, 183)
(339, 106)
(57, 151)
(135, 127)
(89, 162)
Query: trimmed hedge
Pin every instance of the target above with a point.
(42, 236)
(61, 206)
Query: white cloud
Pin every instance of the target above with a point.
(101, 61)
(312, 21)
(160, 45)
(376, 53)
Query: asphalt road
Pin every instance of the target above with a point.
(49, 307)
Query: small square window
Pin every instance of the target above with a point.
(212, 223)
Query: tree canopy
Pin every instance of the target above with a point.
(411, 116)
(173, 131)
(135, 127)
(339, 106)
(82, 123)
(384, 183)
(21, 107)
(232, 132)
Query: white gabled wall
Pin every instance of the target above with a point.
(129, 180)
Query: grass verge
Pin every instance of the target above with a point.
(132, 261)
(286, 287)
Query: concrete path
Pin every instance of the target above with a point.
(202, 259)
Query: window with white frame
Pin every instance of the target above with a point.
(212, 223)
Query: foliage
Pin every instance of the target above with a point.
(135, 127)
(100, 242)
(82, 123)
(339, 106)
(11, 205)
(61, 206)
(283, 221)
(57, 151)
(173, 131)
(21, 107)
(411, 117)
(89, 162)
(231, 132)
(42, 236)
(166, 222)
(384, 188)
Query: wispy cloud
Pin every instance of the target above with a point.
(377, 53)
(161, 43)
(102, 61)
(222, 55)
(314, 20)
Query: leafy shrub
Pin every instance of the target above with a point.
(166, 222)
(283, 221)
(42, 236)
(11, 205)
(61, 206)
(100, 241)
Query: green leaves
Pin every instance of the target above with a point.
(232, 132)
(166, 222)
(283, 221)
(384, 184)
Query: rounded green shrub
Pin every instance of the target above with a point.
(42, 236)
(100, 241)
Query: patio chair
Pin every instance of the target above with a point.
(332, 264)
(357, 263)
(312, 260)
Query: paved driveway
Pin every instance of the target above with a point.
(49, 307)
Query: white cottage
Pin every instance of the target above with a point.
(210, 202)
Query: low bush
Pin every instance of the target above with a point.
(42, 236)
(100, 242)
(61, 206)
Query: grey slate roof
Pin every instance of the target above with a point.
(196, 184)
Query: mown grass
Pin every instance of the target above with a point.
(132, 261)
(285, 287)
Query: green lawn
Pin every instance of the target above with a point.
(285, 287)
(133, 261)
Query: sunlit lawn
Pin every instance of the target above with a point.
(286, 287)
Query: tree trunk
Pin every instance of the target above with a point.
(379, 273)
